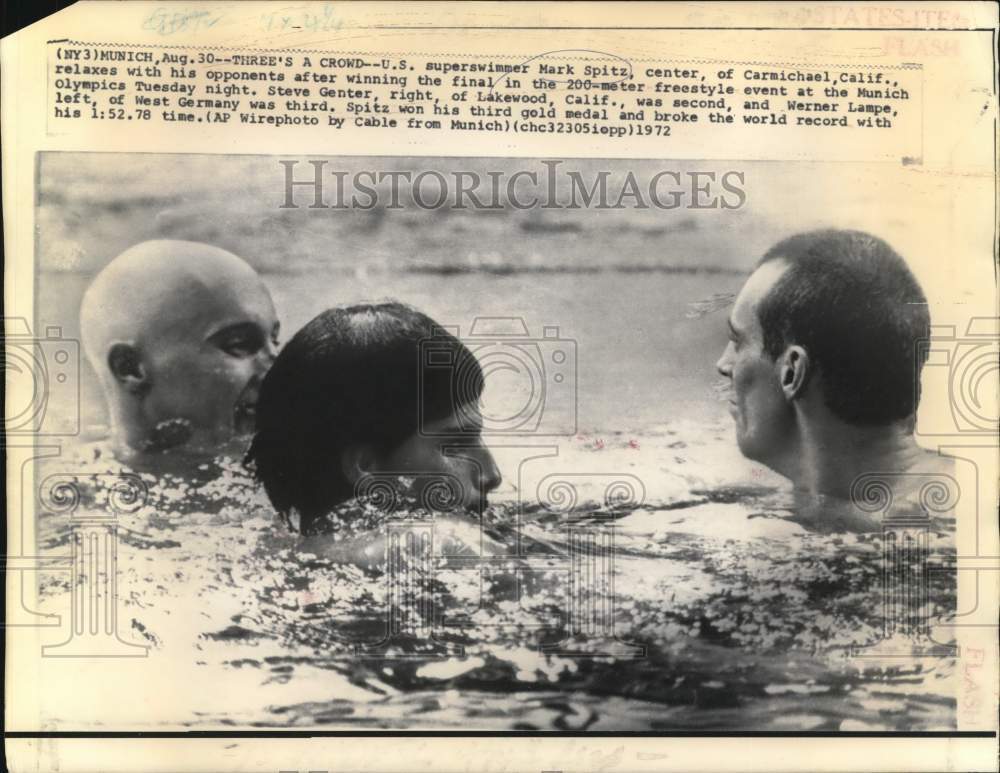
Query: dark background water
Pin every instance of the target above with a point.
(616, 281)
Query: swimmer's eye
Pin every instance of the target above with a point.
(239, 348)
(734, 337)
(239, 340)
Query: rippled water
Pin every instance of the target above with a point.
(727, 614)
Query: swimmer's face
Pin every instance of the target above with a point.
(450, 452)
(757, 402)
(205, 355)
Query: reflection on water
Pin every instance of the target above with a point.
(725, 615)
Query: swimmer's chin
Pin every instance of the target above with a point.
(167, 435)
(178, 437)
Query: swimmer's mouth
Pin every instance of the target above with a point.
(245, 411)
(722, 389)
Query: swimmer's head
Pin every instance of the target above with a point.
(825, 331)
(355, 397)
(180, 335)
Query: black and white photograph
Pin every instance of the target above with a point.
(493, 443)
(549, 387)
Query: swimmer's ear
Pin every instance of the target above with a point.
(794, 372)
(127, 368)
(356, 462)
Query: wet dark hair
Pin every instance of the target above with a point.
(362, 374)
(852, 302)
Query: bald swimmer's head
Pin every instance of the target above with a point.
(180, 334)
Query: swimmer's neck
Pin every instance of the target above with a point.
(140, 451)
(829, 456)
(136, 436)
(159, 463)
(141, 439)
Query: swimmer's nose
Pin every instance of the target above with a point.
(269, 353)
(724, 366)
(491, 477)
